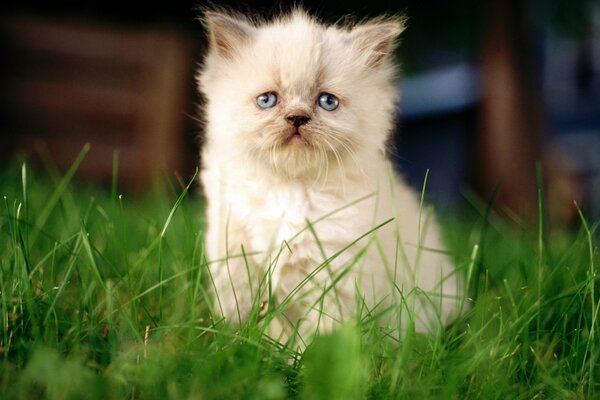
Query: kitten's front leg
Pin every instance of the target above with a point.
(234, 274)
(235, 289)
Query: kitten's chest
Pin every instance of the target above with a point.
(311, 222)
(276, 214)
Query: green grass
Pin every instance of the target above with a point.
(103, 296)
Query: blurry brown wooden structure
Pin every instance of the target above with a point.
(512, 128)
(68, 83)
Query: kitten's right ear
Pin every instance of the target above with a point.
(377, 38)
(226, 33)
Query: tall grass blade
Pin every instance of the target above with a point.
(57, 193)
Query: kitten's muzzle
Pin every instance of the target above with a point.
(297, 120)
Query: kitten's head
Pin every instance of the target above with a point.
(296, 96)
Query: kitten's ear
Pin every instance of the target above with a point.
(377, 38)
(226, 33)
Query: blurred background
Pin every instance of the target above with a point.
(490, 90)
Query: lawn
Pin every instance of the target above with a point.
(103, 296)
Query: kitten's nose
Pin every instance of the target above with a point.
(297, 120)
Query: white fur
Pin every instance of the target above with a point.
(292, 205)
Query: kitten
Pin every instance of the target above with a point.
(305, 214)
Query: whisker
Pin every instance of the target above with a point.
(338, 161)
(348, 146)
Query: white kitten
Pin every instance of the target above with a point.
(305, 215)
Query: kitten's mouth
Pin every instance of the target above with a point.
(296, 137)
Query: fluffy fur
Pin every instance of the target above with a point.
(316, 225)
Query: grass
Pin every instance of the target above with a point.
(103, 296)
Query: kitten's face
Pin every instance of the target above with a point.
(297, 96)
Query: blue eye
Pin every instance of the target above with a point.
(267, 100)
(328, 102)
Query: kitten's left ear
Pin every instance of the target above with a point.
(378, 38)
(226, 32)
